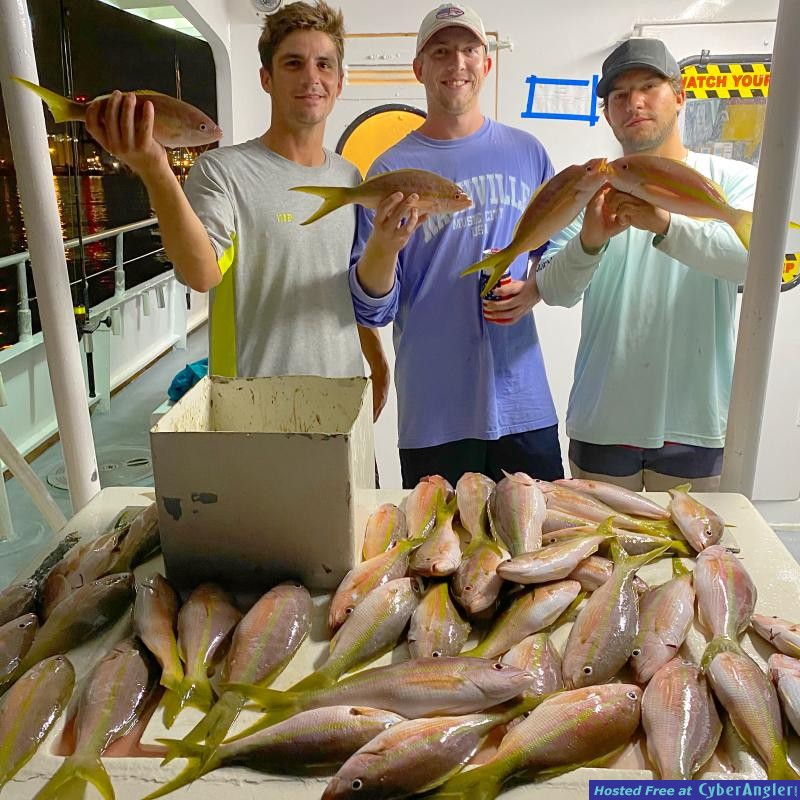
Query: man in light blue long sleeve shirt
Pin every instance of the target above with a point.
(649, 401)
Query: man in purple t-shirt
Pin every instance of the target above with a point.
(471, 385)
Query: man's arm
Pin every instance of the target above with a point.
(378, 367)
(712, 246)
(186, 240)
(395, 221)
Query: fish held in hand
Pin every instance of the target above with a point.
(436, 195)
(175, 124)
(553, 206)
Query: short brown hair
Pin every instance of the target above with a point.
(300, 17)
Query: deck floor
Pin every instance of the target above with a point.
(128, 424)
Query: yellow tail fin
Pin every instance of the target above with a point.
(62, 108)
(74, 772)
(497, 262)
(333, 197)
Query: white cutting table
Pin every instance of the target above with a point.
(774, 570)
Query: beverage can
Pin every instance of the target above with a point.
(485, 274)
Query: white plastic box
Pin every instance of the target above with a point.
(256, 480)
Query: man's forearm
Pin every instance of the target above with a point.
(372, 349)
(185, 238)
(376, 270)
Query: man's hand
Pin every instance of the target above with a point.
(112, 122)
(599, 224)
(610, 212)
(396, 219)
(518, 298)
(628, 210)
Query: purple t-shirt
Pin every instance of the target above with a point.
(457, 375)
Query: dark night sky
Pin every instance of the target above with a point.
(112, 49)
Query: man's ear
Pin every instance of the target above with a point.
(487, 65)
(680, 100)
(416, 65)
(340, 85)
(266, 79)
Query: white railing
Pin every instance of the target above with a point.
(20, 261)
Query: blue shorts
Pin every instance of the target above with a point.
(619, 460)
(538, 453)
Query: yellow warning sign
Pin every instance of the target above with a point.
(704, 81)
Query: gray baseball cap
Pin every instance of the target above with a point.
(637, 54)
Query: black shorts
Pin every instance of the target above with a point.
(618, 460)
(537, 453)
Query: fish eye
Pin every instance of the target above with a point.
(632, 695)
(349, 610)
(498, 666)
(436, 654)
(203, 126)
(357, 785)
(467, 588)
(636, 652)
(587, 670)
(624, 166)
(552, 541)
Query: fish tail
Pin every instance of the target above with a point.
(194, 770)
(719, 644)
(268, 699)
(481, 783)
(779, 768)
(268, 720)
(333, 197)
(191, 691)
(633, 563)
(679, 569)
(743, 223)
(62, 108)
(497, 262)
(74, 773)
(214, 726)
(316, 680)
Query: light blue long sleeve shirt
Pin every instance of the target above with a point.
(655, 358)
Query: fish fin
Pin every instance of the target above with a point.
(214, 726)
(272, 717)
(497, 262)
(480, 783)
(633, 563)
(685, 488)
(62, 108)
(194, 770)
(316, 680)
(742, 226)
(75, 772)
(679, 569)
(779, 768)
(268, 699)
(333, 197)
(719, 644)
(172, 703)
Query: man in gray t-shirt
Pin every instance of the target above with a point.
(281, 302)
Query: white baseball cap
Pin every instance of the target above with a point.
(450, 15)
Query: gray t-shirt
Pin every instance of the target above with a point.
(284, 305)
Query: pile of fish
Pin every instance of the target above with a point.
(513, 568)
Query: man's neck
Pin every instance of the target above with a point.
(302, 147)
(447, 126)
(672, 148)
